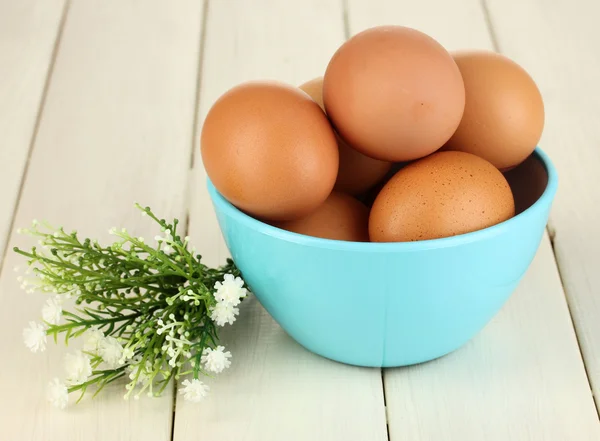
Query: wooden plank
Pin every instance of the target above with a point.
(522, 377)
(117, 128)
(455, 25)
(28, 32)
(275, 389)
(566, 66)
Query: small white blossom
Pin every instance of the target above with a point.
(128, 353)
(78, 367)
(57, 394)
(223, 313)
(35, 337)
(215, 360)
(111, 351)
(144, 374)
(92, 338)
(194, 390)
(231, 290)
(52, 311)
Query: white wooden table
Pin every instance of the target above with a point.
(100, 105)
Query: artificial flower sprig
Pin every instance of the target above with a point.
(144, 310)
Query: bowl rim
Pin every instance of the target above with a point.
(545, 200)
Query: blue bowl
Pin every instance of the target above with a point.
(390, 304)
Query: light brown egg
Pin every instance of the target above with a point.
(393, 93)
(340, 217)
(444, 194)
(270, 150)
(357, 173)
(504, 111)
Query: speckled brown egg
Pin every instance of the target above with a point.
(340, 217)
(504, 111)
(269, 149)
(393, 93)
(357, 173)
(444, 194)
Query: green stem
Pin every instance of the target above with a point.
(97, 378)
(87, 323)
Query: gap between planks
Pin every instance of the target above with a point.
(36, 127)
(269, 365)
(193, 147)
(551, 230)
(195, 128)
(438, 18)
(129, 41)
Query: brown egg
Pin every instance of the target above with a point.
(504, 112)
(393, 93)
(340, 217)
(357, 173)
(270, 150)
(444, 194)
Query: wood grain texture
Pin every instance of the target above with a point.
(522, 378)
(456, 25)
(275, 389)
(116, 129)
(559, 44)
(28, 32)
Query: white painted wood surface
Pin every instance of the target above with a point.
(275, 390)
(28, 31)
(116, 128)
(522, 378)
(559, 42)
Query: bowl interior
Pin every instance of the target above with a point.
(528, 181)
